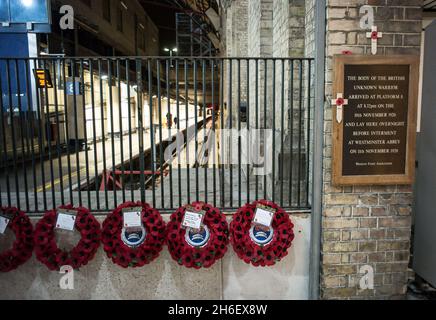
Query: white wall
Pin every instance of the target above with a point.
(230, 278)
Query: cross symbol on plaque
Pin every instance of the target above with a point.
(340, 102)
(374, 35)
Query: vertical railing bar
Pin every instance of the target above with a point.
(221, 164)
(291, 120)
(273, 180)
(58, 139)
(67, 133)
(32, 131)
(111, 106)
(265, 122)
(20, 111)
(248, 138)
(14, 146)
(12, 127)
(196, 130)
(282, 132)
(129, 114)
(257, 121)
(212, 62)
(300, 111)
(159, 105)
(5, 145)
(231, 129)
(76, 127)
(188, 131)
(94, 133)
(179, 173)
(103, 133)
(85, 132)
(309, 77)
(169, 130)
(139, 94)
(239, 137)
(203, 75)
(48, 131)
(41, 141)
(120, 116)
(152, 143)
(27, 131)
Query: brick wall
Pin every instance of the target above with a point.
(366, 225)
(260, 44)
(309, 45)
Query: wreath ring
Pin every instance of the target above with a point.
(149, 246)
(22, 248)
(278, 238)
(207, 246)
(47, 251)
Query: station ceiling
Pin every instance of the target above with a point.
(163, 12)
(430, 5)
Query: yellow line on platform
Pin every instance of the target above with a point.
(57, 181)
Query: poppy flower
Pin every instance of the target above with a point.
(198, 206)
(340, 102)
(187, 259)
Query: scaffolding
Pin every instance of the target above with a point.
(192, 39)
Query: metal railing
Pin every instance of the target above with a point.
(99, 131)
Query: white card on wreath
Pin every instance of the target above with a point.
(66, 220)
(263, 217)
(132, 218)
(193, 220)
(3, 224)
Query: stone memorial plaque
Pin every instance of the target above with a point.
(375, 142)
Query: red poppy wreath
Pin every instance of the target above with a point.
(198, 248)
(148, 245)
(257, 245)
(22, 248)
(46, 249)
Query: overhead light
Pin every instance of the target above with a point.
(166, 50)
(104, 77)
(123, 4)
(175, 49)
(27, 3)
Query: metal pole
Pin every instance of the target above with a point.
(315, 246)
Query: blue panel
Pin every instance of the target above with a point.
(75, 88)
(4, 11)
(22, 28)
(29, 11)
(17, 47)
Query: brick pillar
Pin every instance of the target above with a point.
(366, 225)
